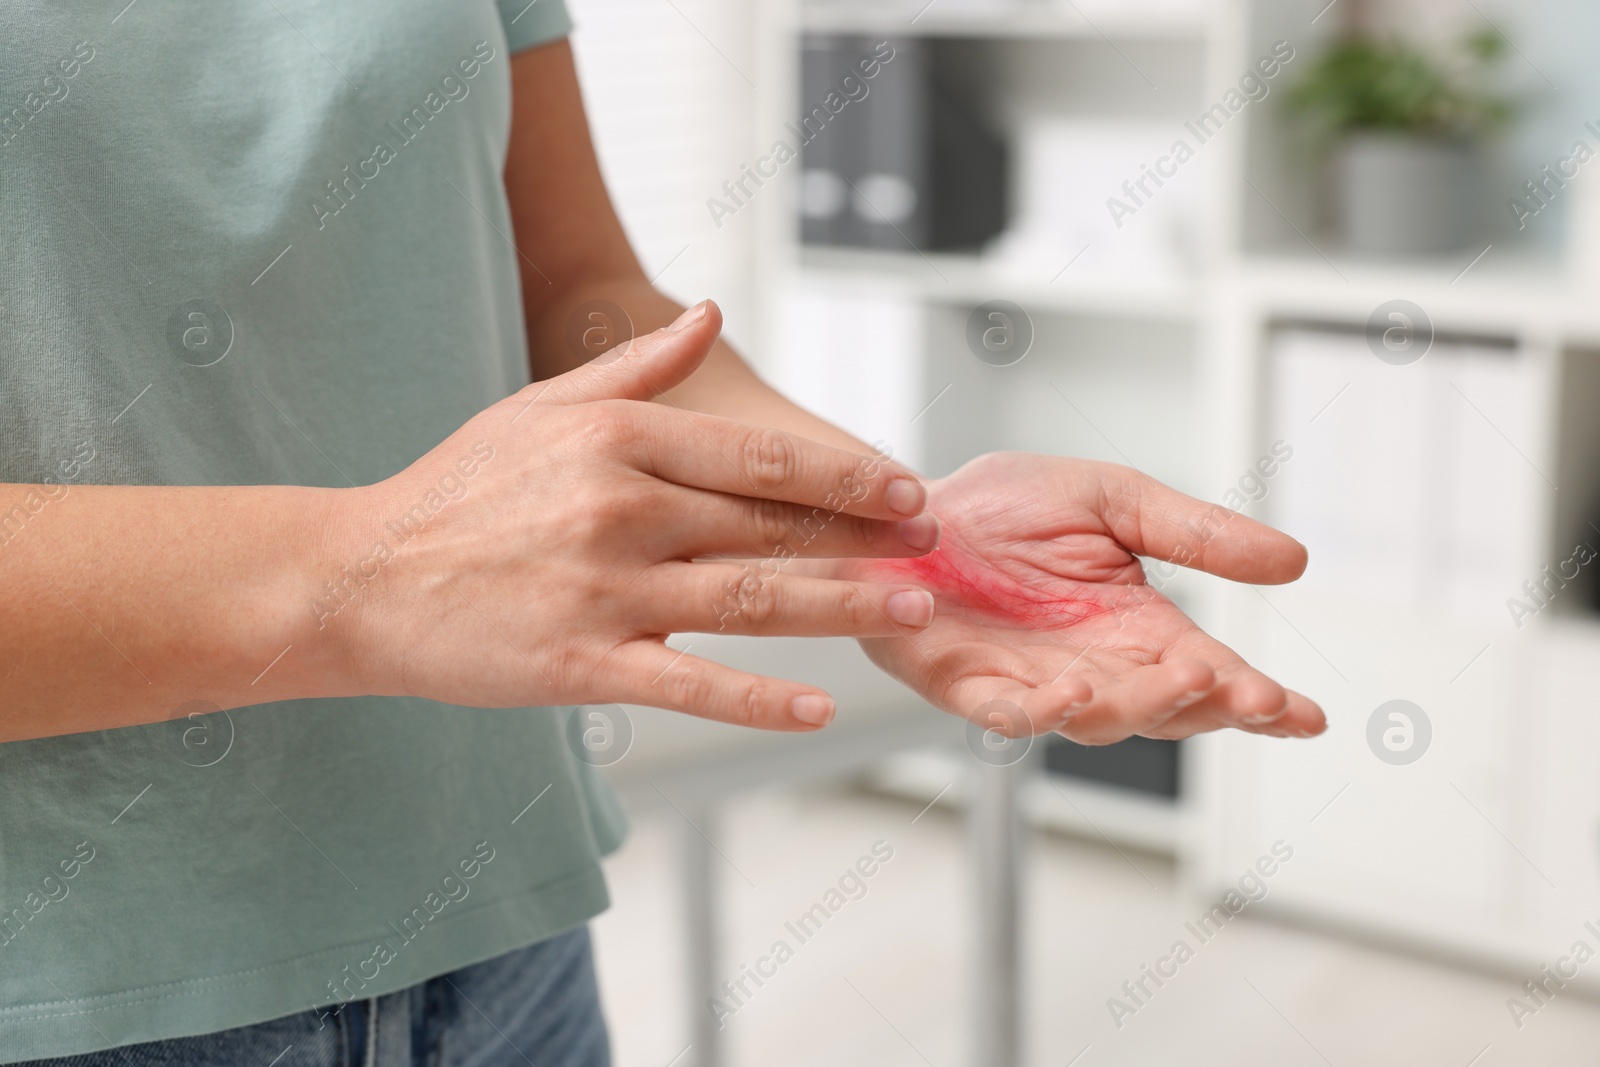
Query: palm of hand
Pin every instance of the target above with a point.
(1045, 617)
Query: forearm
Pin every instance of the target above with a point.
(583, 254)
(119, 604)
(724, 385)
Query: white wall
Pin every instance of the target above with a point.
(672, 113)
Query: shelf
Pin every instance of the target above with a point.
(1495, 295)
(999, 19)
(1503, 293)
(967, 279)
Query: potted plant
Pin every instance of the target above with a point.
(1404, 128)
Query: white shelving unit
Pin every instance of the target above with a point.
(1489, 848)
(1003, 19)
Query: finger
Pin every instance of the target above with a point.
(1015, 709)
(707, 452)
(640, 369)
(1305, 718)
(716, 524)
(1139, 701)
(660, 677)
(1152, 519)
(1302, 718)
(745, 599)
(1243, 697)
(1249, 696)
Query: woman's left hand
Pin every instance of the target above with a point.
(1045, 620)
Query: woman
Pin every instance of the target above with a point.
(275, 279)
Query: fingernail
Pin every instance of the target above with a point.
(1192, 697)
(920, 533)
(688, 318)
(906, 496)
(1262, 718)
(813, 709)
(911, 607)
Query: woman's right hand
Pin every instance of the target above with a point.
(543, 552)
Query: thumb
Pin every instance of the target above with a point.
(639, 369)
(1166, 524)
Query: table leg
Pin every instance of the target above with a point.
(700, 906)
(995, 853)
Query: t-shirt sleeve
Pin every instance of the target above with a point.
(533, 22)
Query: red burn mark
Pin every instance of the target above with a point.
(954, 576)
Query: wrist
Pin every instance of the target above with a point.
(321, 589)
(388, 553)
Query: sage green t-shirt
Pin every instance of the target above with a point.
(263, 242)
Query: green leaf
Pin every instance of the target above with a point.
(1389, 84)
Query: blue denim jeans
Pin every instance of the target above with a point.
(536, 1005)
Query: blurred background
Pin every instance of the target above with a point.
(1333, 264)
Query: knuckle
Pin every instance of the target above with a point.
(594, 511)
(755, 697)
(863, 534)
(856, 609)
(763, 605)
(567, 664)
(612, 425)
(771, 458)
(690, 689)
(770, 523)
